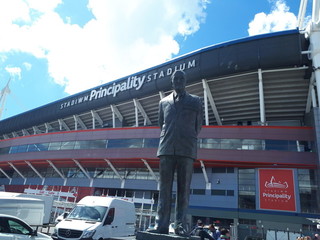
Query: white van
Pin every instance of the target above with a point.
(97, 218)
(47, 200)
(30, 210)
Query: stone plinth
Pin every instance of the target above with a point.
(157, 236)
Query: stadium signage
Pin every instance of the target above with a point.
(277, 190)
(135, 82)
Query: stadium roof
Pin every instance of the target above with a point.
(262, 77)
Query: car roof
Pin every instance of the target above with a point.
(11, 216)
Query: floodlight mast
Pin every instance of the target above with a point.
(3, 95)
(302, 13)
(313, 30)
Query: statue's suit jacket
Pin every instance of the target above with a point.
(180, 124)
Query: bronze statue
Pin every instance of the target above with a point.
(180, 121)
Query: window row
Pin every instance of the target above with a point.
(208, 143)
(214, 192)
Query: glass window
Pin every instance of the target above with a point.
(276, 145)
(151, 142)
(14, 149)
(143, 174)
(247, 188)
(82, 145)
(98, 144)
(38, 147)
(236, 144)
(68, 145)
(18, 227)
(91, 144)
(74, 173)
(308, 191)
(198, 191)
(218, 192)
(231, 144)
(54, 146)
(293, 146)
(248, 202)
(197, 170)
(218, 170)
(222, 170)
(22, 148)
(210, 143)
(230, 170)
(125, 143)
(305, 146)
(230, 192)
(91, 171)
(99, 172)
(247, 221)
(30, 173)
(251, 144)
(131, 174)
(5, 150)
(81, 212)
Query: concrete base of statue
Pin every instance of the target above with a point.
(157, 236)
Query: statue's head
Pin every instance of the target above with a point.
(178, 80)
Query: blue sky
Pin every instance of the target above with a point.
(54, 48)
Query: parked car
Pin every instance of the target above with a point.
(12, 228)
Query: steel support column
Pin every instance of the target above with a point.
(77, 120)
(205, 97)
(7, 176)
(17, 170)
(208, 94)
(302, 13)
(152, 172)
(208, 183)
(25, 132)
(161, 94)
(48, 127)
(311, 95)
(59, 172)
(62, 125)
(95, 116)
(36, 130)
(115, 113)
(261, 99)
(36, 171)
(139, 107)
(116, 172)
(84, 171)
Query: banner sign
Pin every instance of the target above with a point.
(276, 188)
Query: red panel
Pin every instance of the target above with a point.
(276, 189)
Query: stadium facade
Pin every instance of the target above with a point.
(258, 162)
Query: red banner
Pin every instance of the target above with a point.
(277, 189)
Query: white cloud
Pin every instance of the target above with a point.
(124, 36)
(279, 19)
(27, 66)
(14, 72)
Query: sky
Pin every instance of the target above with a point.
(50, 49)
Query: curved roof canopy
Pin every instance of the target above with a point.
(235, 77)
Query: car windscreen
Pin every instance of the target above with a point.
(90, 213)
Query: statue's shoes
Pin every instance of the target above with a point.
(179, 230)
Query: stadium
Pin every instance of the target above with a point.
(258, 165)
